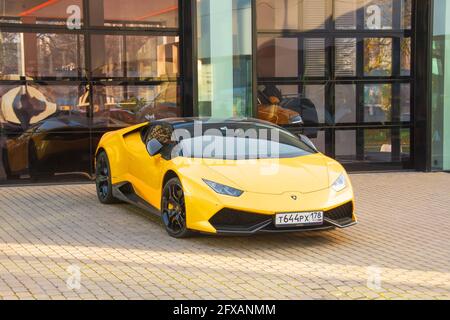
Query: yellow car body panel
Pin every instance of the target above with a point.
(268, 185)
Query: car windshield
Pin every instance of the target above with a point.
(238, 141)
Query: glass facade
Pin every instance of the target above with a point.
(72, 70)
(440, 86)
(224, 40)
(344, 66)
(347, 73)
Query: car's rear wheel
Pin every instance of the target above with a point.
(173, 209)
(103, 179)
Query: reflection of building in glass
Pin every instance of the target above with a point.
(351, 74)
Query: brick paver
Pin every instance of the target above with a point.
(399, 249)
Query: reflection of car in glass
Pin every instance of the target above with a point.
(184, 171)
(24, 106)
(304, 108)
(165, 105)
(273, 113)
(115, 114)
(48, 147)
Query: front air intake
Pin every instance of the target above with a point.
(234, 220)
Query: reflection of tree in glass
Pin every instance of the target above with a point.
(374, 139)
(405, 46)
(58, 53)
(378, 56)
(378, 95)
(9, 53)
(406, 14)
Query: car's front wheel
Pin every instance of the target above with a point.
(173, 209)
(103, 179)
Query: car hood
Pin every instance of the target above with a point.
(275, 176)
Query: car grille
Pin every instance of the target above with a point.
(340, 213)
(234, 220)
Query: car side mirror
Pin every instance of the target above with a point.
(307, 141)
(154, 147)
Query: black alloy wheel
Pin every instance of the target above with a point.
(103, 179)
(173, 209)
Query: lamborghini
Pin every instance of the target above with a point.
(235, 176)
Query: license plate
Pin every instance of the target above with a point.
(299, 218)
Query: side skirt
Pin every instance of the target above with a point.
(124, 191)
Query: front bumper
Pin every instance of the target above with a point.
(259, 210)
(228, 221)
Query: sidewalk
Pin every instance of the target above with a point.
(399, 250)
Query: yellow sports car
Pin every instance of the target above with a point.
(237, 176)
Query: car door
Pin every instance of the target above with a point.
(146, 172)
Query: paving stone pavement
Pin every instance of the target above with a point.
(399, 250)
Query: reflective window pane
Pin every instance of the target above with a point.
(378, 14)
(345, 103)
(45, 156)
(41, 55)
(275, 14)
(134, 56)
(314, 14)
(377, 145)
(377, 103)
(292, 14)
(277, 57)
(405, 102)
(121, 106)
(345, 14)
(279, 104)
(405, 56)
(224, 44)
(314, 57)
(378, 57)
(134, 13)
(440, 86)
(405, 144)
(317, 137)
(316, 95)
(282, 104)
(345, 145)
(406, 14)
(345, 65)
(11, 60)
(61, 12)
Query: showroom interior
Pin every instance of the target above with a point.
(367, 78)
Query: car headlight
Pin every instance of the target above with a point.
(223, 189)
(340, 183)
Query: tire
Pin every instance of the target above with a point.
(103, 179)
(173, 209)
